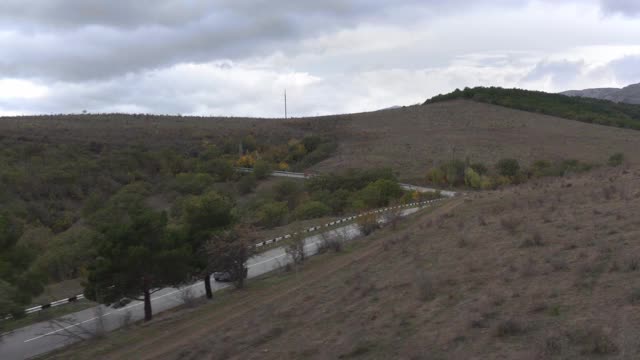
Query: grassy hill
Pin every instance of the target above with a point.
(588, 110)
(413, 139)
(547, 270)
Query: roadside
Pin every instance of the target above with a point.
(158, 338)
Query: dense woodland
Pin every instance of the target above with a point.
(588, 110)
(113, 215)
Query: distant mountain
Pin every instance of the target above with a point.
(629, 94)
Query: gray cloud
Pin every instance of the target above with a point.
(123, 55)
(626, 69)
(562, 73)
(626, 7)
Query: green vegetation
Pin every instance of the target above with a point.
(66, 204)
(575, 108)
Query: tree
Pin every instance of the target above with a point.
(202, 217)
(137, 257)
(472, 178)
(262, 169)
(508, 167)
(19, 281)
(229, 251)
(311, 210)
(272, 214)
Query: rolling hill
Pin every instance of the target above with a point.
(629, 94)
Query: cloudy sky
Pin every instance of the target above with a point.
(235, 57)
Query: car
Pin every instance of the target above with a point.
(227, 276)
(121, 303)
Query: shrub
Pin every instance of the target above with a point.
(510, 224)
(533, 241)
(272, 214)
(508, 167)
(436, 176)
(379, 193)
(247, 184)
(509, 328)
(311, 210)
(616, 159)
(479, 168)
(594, 341)
(220, 169)
(262, 169)
(192, 183)
(454, 172)
(634, 298)
(425, 287)
(472, 179)
(287, 190)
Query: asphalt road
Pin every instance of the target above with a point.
(296, 175)
(40, 338)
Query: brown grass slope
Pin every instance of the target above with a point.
(547, 270)
(412, 139)
(409, 139)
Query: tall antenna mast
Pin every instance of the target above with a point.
(285, 104)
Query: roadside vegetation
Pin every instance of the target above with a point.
(588, 110)
(113, 216)
(479, 176)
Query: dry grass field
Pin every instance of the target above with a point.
(409, 139)
(412, 139)
(544, 270)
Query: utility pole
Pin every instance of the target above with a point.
(285, 104)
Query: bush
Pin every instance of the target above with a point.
(616, 159)
(221, 170)
(247, 184)
(378, 193)
(479, 168)
(510, 224)
(311, 210)
(508, 167)
(472, 179)
(454, 172)
(436, 176)
(262, 169)
(192, 183)
(272, 214)
(289, 191)
(509, 328)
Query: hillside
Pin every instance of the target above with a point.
(629, 94)
(412, 139)
(408, 139)
(547, 270)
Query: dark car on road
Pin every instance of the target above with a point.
(227, 276)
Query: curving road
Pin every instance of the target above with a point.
(40, 338)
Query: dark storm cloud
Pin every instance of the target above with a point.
(83, 40)
(80, 40)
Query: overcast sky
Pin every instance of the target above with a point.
(235, 57)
